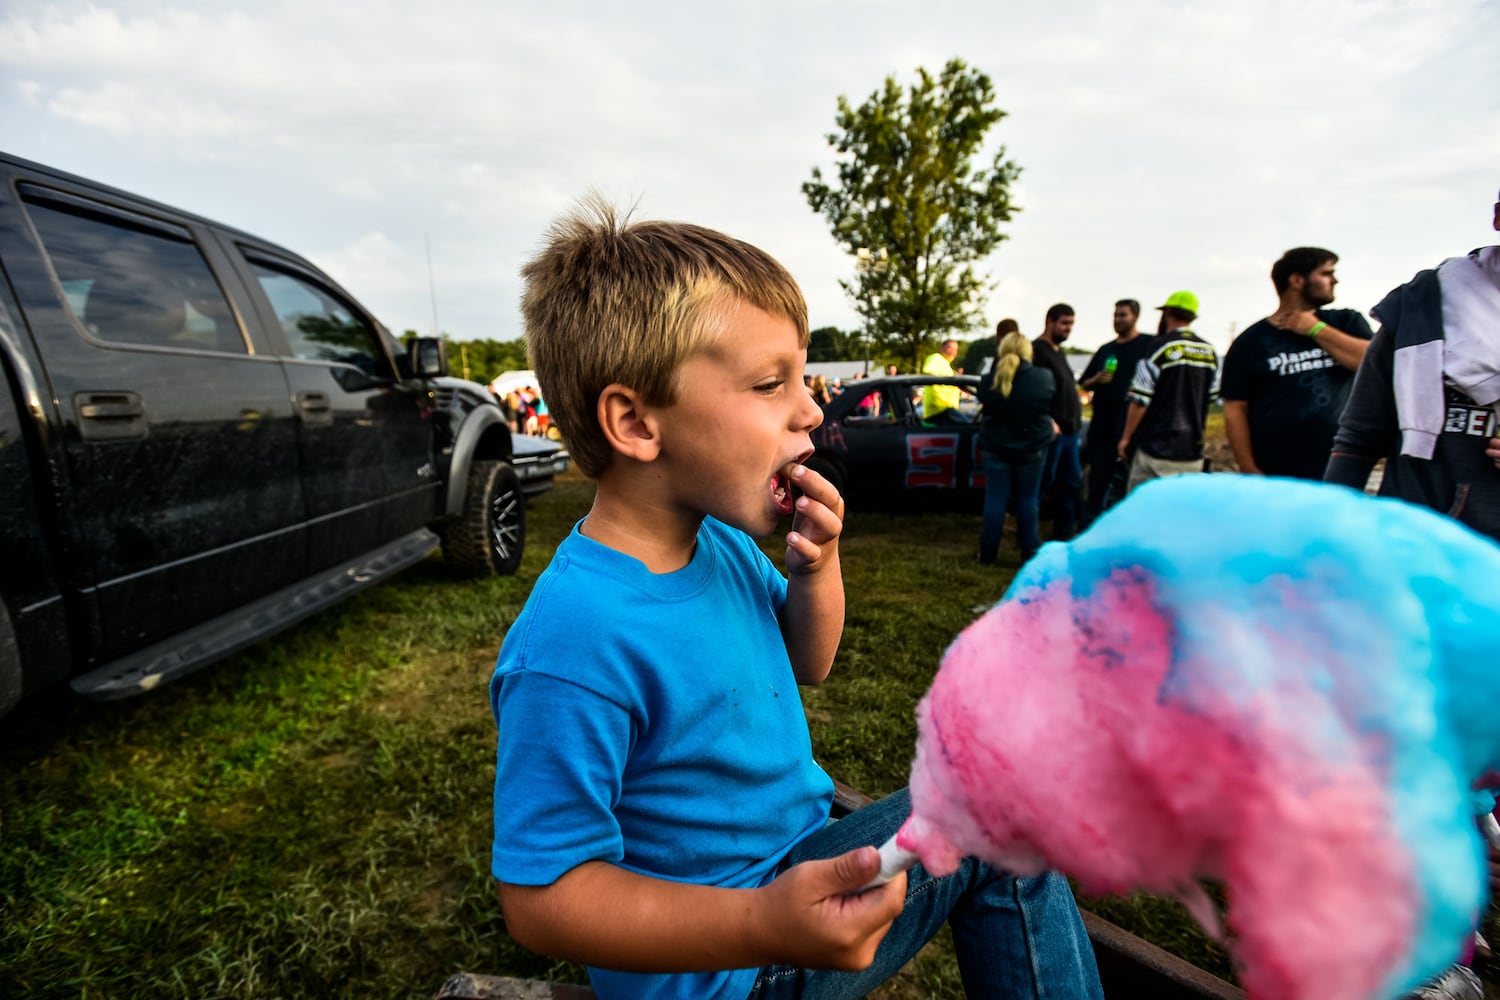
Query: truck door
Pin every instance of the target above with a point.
(180, 441)
(365, 435)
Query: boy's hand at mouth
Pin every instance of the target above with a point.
(817, 520)
(812, 620)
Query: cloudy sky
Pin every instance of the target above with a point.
(1165, 144)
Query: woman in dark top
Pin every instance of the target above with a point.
(1015, 428)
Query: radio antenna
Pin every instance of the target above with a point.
(431, 285)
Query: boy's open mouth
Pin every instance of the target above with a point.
(781, 492)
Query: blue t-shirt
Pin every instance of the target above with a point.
(652, 721)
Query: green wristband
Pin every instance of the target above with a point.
(1315, 328)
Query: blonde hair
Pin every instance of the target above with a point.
(607, 300)
(1014, 348)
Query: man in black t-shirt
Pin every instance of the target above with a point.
(1108, 377)
(1287, 377)
(1062, 470)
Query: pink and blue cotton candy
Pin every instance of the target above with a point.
(1285, 687)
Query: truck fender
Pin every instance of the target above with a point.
(483, 434)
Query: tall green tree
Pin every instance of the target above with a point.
(828, 343)
(908, 185)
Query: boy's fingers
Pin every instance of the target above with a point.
(813, 485)
(855, 869)
(810, 511)
(847, 925)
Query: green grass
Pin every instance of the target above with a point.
(312, 817)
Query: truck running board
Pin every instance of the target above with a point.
(213, 640)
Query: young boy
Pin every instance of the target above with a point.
(659, 816)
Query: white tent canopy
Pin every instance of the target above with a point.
(506, 381)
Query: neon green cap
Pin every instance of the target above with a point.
(1181, 300)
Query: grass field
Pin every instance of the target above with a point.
(312, 817)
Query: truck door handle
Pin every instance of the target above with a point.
(315, 407)
(110, 416)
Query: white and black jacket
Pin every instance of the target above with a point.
(1431, 433)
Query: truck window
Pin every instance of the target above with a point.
(318, 325)
(133, 285)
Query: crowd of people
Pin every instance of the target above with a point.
(525, 410)
(1308, 391)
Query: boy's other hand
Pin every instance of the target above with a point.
(820, 918)
(816, 522)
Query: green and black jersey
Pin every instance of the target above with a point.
(1175, 382)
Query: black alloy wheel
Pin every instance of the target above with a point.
(487, 539)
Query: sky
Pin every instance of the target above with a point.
(418, 152)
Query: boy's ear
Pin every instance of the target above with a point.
(628, 423)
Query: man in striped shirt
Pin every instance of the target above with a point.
(1169, 397)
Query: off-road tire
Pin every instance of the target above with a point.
(489, 535)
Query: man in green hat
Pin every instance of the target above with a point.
(1169, 397)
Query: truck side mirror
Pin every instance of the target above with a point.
(429, 357)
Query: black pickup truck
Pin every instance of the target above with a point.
(204, 439)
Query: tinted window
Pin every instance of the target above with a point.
(133, 284)
(318, 325)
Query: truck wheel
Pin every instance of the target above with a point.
(488, 537)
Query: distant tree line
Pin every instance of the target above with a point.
(481, 360)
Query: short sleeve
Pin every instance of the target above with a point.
(1237, 370)
(558, 775)
(1143, 383)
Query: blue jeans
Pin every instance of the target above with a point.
(1005, 481)
(1015, 937)
(1064, 472)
